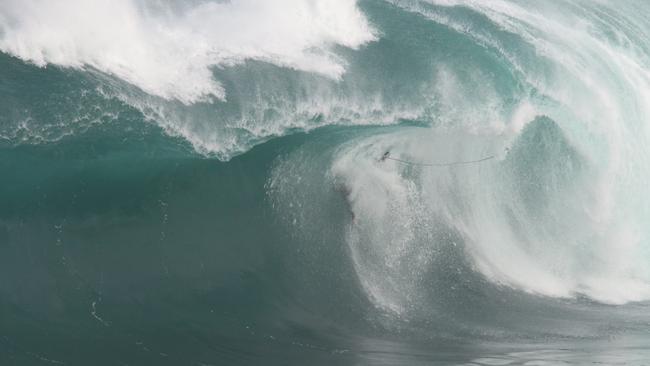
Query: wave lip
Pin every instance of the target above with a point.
(168, 50)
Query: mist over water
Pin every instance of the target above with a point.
(201, 182)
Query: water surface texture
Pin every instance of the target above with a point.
(200, 182)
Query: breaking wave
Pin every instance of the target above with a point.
(303, 97)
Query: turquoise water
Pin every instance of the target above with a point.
(200, 183)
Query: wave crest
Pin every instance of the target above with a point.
(168, 49)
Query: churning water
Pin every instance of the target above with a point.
(199, 182)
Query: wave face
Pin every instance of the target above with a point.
(200, 182)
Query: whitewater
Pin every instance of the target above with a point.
(201, 182)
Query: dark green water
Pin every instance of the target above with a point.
(115, 260)
(228, 206)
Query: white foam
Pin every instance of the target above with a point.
(168, 48)
(594, 81)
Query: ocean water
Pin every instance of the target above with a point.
(200, 182)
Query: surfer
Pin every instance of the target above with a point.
(347, 193)
(385, 156)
